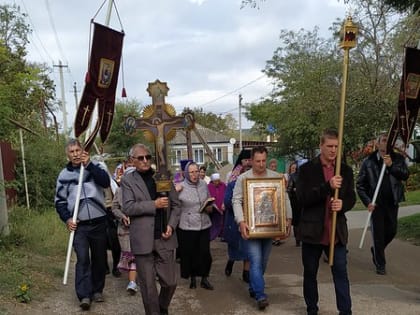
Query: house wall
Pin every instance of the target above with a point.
(226, 153)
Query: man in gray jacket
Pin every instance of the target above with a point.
(258, 249)
(152, 243)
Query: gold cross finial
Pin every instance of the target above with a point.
(158, 90)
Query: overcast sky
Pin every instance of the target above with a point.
(203, 49)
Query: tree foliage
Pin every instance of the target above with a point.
(307, 72)
(44, 159)
(119, 142)
(25, 89)
(225, 125)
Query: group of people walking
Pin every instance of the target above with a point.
(158, 231)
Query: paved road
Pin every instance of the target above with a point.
(396, 293)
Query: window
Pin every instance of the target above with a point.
(176, 157)
(199, 156)
(217, 152)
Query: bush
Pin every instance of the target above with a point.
(44, 159)
(33, 254)
(413, 182)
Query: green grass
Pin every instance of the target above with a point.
(32, 253)
(411, 198)
(409, 228)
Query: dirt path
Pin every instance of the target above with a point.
(396, 293)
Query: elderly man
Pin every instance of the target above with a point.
(258, 249)
(385, 209)
(90, 238)
(152, 243)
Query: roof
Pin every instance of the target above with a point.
(210, 136)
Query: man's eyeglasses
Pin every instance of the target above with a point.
(147, 157)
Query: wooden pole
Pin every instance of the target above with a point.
(339, 151)
(375, 195)
(25, 179)
(349, 33)
(79, 187)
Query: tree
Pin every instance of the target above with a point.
(119, 142)
(307, 73)
(251, 3)
(226, 125)
(23, 86)
(404, 5)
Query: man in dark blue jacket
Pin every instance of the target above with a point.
(90, 240)
(384, 219)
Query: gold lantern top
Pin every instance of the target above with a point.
(349, 34)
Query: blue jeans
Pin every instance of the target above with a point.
(258, 251)
(311, 253)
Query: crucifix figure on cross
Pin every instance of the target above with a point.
(158, 120)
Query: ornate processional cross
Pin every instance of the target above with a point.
(158, 123)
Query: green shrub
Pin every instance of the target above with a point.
(44, 159)
(33, 254)
(413, 182)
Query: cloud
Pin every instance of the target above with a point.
(203, 49)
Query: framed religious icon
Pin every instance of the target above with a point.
(265, 207)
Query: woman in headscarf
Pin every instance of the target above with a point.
(194, 229)
(237, 246)
(242, 160)
(217, 190)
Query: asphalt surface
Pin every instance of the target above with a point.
(398, 292)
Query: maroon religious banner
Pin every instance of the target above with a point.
(101, 83)
(409, 99)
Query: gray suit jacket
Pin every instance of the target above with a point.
(138, 205)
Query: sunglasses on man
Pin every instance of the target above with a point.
(140, 158)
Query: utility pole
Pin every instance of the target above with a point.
(60, 67)
(240, 122)
(75, 94)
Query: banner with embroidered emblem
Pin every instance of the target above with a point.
(100, 83)
(409, 100)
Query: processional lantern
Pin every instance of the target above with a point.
(349, 34)
(348, 41)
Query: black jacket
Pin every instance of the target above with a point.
(313, 191)
(369, 175)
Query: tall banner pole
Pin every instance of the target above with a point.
(349, 33)
(375, 195)
(79, 187)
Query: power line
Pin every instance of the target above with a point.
(37, 36)
(234, 91)
(47, 4)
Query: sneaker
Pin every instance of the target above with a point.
(98, 297)
(85, 304)
(262, 304)
(132, 287)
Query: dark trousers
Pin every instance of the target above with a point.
(90, 246)
(311, 254)
(384, 228)
(113, 242)
(194, 251)
(160, 263)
